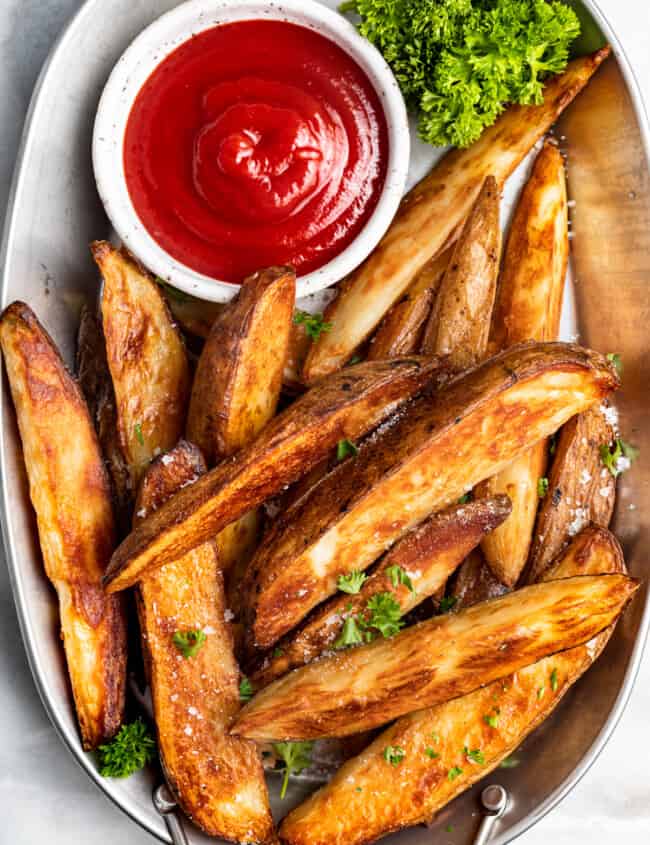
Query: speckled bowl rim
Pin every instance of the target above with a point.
(160, 39)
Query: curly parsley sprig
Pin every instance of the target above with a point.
(128, 752)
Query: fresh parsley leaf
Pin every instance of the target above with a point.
(619, 458)
(431, 753)
(509, 763)
(358, 789)
(464, 499)
(352, 582)
(452, 774)
(542, 487)
(475, 755)
(398, 576)
(385, 614)
(189, 643)
(350, 634)
(129, 751)
(344, 449)
(615, 359)
(446, 604)
(277, 651)
(552, 444)
(554, 681)
(491, 719)
(137, 430)
(435, 736)
(394, 755)
(246, 691)
(296, 757)
(540, 692)
(450, 828)
(355, 359)
(314, 324)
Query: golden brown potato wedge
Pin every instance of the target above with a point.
(369, 798)
(146, 357)
(71, 494)
(299, 343)
(239, 375)
(345, 406)
(430, 456)
(474, 582)
(459, 323)
(431, 216)
(528, 306)
(367, 686)
(401, 330)
(217, 779)
(580, 488)
(427, 556)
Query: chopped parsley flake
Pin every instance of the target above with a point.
(296, 757)
(619, 458)
(542, 487)
(615, 359)
(393, 754)
(351, 634)
(452, 774)
(130, 750)
(314, 324)
(352, 582)
(345, 449)
(398, 576)
(554, 682)
(492, 720)
(431, 753)
(189, 643)
(246, 690)
(385, 614)
(137, 430)
(475, 755)
(446, 604)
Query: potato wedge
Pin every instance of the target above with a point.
(580, 489)
(239, 375)
(368, 798)
(146, 357)
(217, 779)
(529, 302)
(97, 387)
(475, 582)
(431, 216)
(364, 687)
(459, 323)
(345, 406)
(65, 469)
(432, 455)
(401, 330)
(427, 556)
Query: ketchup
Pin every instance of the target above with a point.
(255, 143)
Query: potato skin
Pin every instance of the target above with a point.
(459, 323)
(65, 468)
(431, 215)
(475, 582)
(368, 798)
(345, 406)
(428, 555)
(429, 457)
(146, 357)
(239, 375)
(580, 489)
(194, 699)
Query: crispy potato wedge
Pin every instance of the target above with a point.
(97, 387)
(401, 330)
(580, 488)
(343, 407)
(146, 358)
(427, 555)
(239, 375)
(528, 306)
(459, 324)
(475, 582)
(65, 468)
(217, 779)
(299, 343)
(367, 686)
(430, 456)
(431, 216)
(368, 798)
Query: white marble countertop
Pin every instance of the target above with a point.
(45, 797)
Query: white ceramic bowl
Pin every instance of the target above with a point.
(161, 38)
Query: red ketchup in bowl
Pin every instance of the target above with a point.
(255, 143)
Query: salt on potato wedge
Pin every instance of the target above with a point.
(368, 798)
(431, 215)
(528, 307)
(426, 556)
(459, 323)
(345, 406)
(401, 330)
(581, 490)
(146, 357)
(429, 457)
(70, 492)
(370, 685)
(239, 375)
(217, 779)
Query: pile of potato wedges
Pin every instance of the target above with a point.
(385, 524)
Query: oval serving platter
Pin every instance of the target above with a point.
(55, 212)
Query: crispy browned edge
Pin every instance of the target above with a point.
(146, 358)
(368, 798)
(474, 582)
(345, 406)
(239, 375)
(194, 699)
(428, 555)
(580, 489)
(425, 222)
(282, 588)
(57, 436)
(459, 323)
